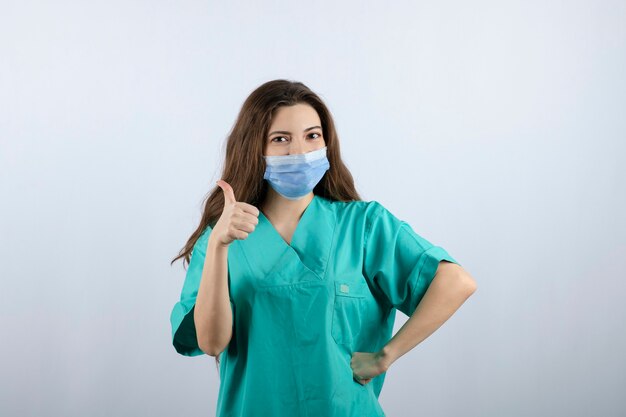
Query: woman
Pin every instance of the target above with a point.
(294, 281)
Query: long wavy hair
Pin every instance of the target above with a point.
(244, 163)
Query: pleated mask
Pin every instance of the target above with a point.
(294, 176)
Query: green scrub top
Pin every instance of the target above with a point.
(301, 310)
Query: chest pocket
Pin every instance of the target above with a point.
(348, 310)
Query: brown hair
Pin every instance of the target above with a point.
(244, 164)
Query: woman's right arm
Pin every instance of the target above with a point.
(212, 314)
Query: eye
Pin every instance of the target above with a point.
(284, 137)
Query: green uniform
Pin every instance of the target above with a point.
(301, 310)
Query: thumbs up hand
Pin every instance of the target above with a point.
(238, 218)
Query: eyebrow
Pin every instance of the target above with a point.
(289, 133)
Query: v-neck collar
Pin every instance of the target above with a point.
(311, 242)
(301, 222)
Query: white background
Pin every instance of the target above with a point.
(495, 128)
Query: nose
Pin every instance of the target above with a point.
(296, 147)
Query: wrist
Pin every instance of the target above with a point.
(214, 243)
(386, 357)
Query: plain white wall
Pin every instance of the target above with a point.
(495, 128)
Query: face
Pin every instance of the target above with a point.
(294, 130)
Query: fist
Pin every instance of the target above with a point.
(238, 219)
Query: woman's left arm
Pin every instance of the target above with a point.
(449, 289)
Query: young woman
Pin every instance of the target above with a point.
(294, 281)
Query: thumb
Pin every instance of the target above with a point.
(229, 194)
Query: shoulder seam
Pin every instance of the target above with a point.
(369, 221)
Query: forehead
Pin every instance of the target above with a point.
(297, 115)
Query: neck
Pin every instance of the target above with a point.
(281, 210)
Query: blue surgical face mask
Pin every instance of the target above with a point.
(294, 176)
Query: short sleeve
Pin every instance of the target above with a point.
(397, 261)
(183, 326)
